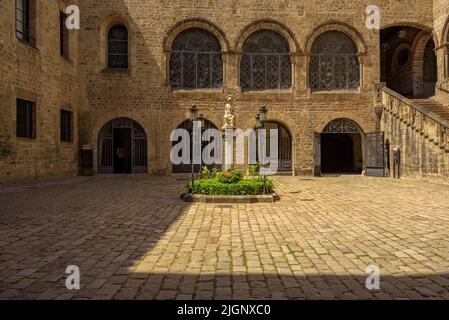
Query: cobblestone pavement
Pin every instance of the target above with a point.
(132, 238)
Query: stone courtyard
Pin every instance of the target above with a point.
(132, 238)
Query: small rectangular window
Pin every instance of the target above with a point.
(64, 35)
(26, 119)
(23, 20)
(66, 125)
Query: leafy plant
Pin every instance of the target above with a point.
(242, 187)
(232, 176)
(253, 169)
(206, 173)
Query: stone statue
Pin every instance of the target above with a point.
(229, 118)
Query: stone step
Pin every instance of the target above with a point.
(434, 106)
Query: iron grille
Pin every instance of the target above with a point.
(63, 35)
(266, 62)
(138, 145)
(26, 119)
(334, 64)
(196, 61)
(375, 154)
(342, 126)
(66, 125)
(118, 47)
(23, 19)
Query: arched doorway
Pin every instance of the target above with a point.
(284, 144)
(408, 62)
(341, 147)
(430, 75)
(122, 147)
(187, 168)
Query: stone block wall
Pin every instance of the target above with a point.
(441, 33)
(98, 95)
(422, 141)
(38, 73)
(142, 92)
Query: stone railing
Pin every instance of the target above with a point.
(430, 125)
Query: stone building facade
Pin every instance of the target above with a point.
(140, 103)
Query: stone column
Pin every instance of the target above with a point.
(228, 149)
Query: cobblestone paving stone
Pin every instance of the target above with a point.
(133, 238)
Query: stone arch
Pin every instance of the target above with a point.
(268, 24)
(347, 30)
(104, 119)
(187, 125)
(406, 69)
(341, 143)
(266, 62)
(184, 120)
(418, 50)
(105, 26)
(414, 25)
(353, 126)
(292, 129)
(199, 23)
(215, 76)
(325, 120)
(445, 33)
(334, 25)
(122, 147)
(445, 46)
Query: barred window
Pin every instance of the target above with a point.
(26, 119)
(66, 125)
(266, 62)
(63, 35)
(334, 64)
(118, 47)
(196, 61)
(23, 19)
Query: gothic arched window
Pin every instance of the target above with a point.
(265, 62)
(334, 64)
(196, 61)
(118, 47)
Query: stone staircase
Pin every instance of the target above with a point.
(419, 128)
(434, 106)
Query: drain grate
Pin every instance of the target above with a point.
(224, 206)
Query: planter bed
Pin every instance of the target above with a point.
(188, 197)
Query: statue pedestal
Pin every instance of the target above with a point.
(228, 149)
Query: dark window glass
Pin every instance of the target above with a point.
(196, 61)
(118, 47)
(265, 62)
(64, 35)
(66, 125)
(26, 119)
(23, 20)
(334, 64)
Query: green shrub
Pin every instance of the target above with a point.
(206, 173)
(242, 187)
(253, 169)
(232, 176)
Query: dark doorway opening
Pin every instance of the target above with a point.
(408, 62)
(122, 150)
(340, 148)
(338, 152)
(122, 147)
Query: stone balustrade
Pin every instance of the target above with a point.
(431, 126)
